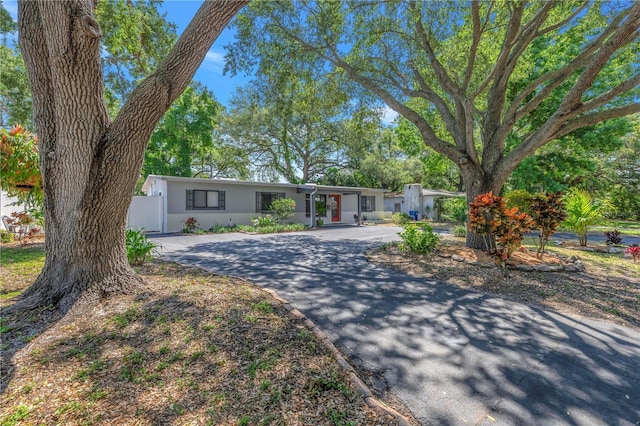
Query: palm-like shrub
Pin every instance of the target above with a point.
(139, 248)
(582, 212)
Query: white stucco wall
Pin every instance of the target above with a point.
(146, 213)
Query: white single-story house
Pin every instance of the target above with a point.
(171, 200)
(414, 199)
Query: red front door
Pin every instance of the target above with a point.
(334, 203)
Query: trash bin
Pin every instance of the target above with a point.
(413, 214)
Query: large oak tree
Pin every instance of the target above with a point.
(89, 162)
(484, 69)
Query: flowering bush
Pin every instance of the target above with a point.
(20, 165)
(634, 252)
(190, 225)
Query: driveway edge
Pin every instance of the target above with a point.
(371, 401)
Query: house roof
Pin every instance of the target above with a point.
(428, 193)
(306, 187)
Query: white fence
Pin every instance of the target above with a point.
(146, 213)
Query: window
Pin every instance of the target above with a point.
(264, 200)
(199, 199)
(368, 203)
(321, 201)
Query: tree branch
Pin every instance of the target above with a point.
(441, 74)
(594, 118)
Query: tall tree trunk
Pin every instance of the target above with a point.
(89, 164)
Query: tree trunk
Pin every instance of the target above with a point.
(89, 164)
(477, 181)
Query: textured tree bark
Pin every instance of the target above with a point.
(89, 164)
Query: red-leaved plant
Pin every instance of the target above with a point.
(633, 251)
(501, 227)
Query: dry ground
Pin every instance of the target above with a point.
(608, 289)
(193, 349)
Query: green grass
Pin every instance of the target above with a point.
(20, 268)
(626, 227)
(22, 260)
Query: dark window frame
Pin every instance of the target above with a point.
(260, 208)
(191, 198)
(307, 207)
(367, 203)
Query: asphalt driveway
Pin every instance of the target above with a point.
(453, 356)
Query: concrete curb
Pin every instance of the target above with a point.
(371, 401)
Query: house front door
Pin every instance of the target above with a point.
(334, 203)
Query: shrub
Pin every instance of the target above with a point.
(6, 236)
(455, 209)
(190, 225)
(419, 239)
(264, 221)
(25, 230)
(401, 218)
(547, 212)
(283, 209)
(222, 229)
(633, 251)
(613, 237)
(460, 231)
(582, 212)
(502, 227)
(139, 248)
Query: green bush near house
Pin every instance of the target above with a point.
(401, 218)
(460, 231)
(419, 239)
(455, 209)
(283, 209)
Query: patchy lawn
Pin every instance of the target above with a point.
(194, 348)
(608, 288)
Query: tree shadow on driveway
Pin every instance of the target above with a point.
(451, 355)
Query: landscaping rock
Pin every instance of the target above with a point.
(556, 268)
(572, 259)
(458, 258)
(615, 250)
(542, 268)
(524, 268)
(590, 249)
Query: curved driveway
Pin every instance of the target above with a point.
(453, 356)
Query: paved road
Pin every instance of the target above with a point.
(454, 357)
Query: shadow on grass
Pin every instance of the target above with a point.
(186, 351)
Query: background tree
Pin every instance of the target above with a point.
(183, 142)
(15, 99)
(136, 37)
(290, 124)
(89, 162)
(482, 67)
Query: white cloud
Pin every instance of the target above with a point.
(388, 115)
(214, 61)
